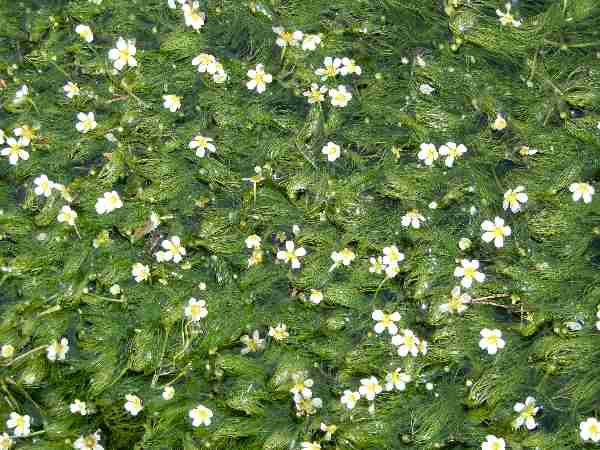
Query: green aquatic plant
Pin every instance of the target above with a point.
(285, 224)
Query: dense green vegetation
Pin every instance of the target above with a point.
(521, 93)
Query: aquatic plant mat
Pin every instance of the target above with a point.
(299, 224)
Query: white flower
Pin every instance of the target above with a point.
(174, 250)
(579, 190)
(301, 385)
(340, 96)
(193, 16)
(123, 54)
(5, 442)
(202, 145)
(133, 404)
(200, 415)
(291, 254)
(172, 102)
(2, 137)
(412, 218)
(500, 123)
(452, 151)
(426, 89)
(285, 38)
(307, 405)
(67, 215)
(20, 95)
(491, 340)
(349, 67)
(196, 309)
(316, 296)
(464, 244)
(345, 257)
(506, 18)
(332, 151)
(43, 186)
(108, 202)
(468, 272)
(330, 68)
(369, 388)
(397, 379)
(527, 412)
(392, 256)
(220, 76)
(316, 94)
(590, 430)
(206, 63)
(168, 392)
(86, 122)
(376, 264)
(20, 423)
(350, 398)
(78, 407)
(58, 350)
(311, 41)
(495, 231)
(85, 32)
(258, 79)
(385, 321)
(15, 150)
(253, 241)
(457, 303)
(7, 351)
(140, 272)
(310, 446)
(253, 344)
(89, 442)
(526, 151)
(493, 443)
(514, 199)
(428, 153)
(279, 333)
(71, 89)
(407, 343)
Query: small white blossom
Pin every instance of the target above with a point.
(71, 89)
(316, 296)
(168, 392)
(108, 202)
(407, 343)
(413, 218)
(206, 63)
(500, 123)
(78, 407)
(279, 333)
(173, 250)
(332, 151)
(311, 41)
(258, 79)
(21, 424)
(140, 272)
(133, 404)
(349, 67)
(491, 340)
(196, 309)
(369, 388)
(495, 231)
(506, 18)
(468, 272)
(123, 55)
(310, 446)
(345, 257)
(589, 429)
(493, 443)
(67, 215)
(172, 102)
(252, 344)
(43, 186)
(89, 442)
(452, 151)
(85, 32)
(350, 398)
(428, 153)
(331, 67)
(514, 198)
(582, 191)
(200, 415)
(7, 351)
(385, 321)
(193, 16)
(302, 385)
(253, 241)
(291, 254)
(426, 89)
(340, 96)
(457, 303)
(527, 412)
(285, 38)
(316, 94)
(58, 350)
(464, 244)
(202, 145)
(397, 379)
(86, 122)
(15, 150)
(6, 442)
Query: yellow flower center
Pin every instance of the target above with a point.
(259, 78)
(498, 231)
(330, 70)
(20, 422)
(470, 272)
(90, 441)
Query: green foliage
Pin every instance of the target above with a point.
(56, 281)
